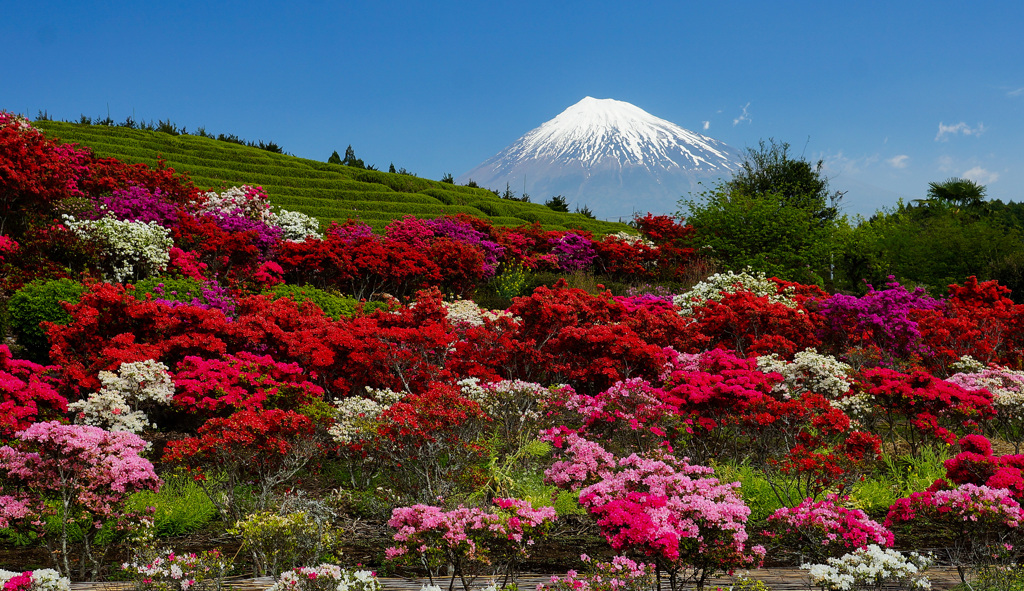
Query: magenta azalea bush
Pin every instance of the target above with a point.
(824, 528)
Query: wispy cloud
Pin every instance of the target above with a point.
(945, 163)
(901, 161)
(1016, 92)
(980, 175)
(744, 116)
(959, 128)
(707, 124)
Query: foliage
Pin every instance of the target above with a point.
(280, 542)
(38, 302)
(180, 506)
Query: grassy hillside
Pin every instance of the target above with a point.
(329, 192)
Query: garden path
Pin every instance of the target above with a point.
(777, 579)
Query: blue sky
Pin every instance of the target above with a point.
(892, 95)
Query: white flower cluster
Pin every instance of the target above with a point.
(45, 579)
(715, 286)
(326, 577)
(809, 372)
(295, 226)
(871, 568)
(632, 239)
(133, 250)
(354, 415)
(467, 312)
(507, 399)
(139, 384)
(858, 407)
(967, 364)
(247, 201)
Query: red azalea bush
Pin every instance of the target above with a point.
(753, 325)
(920, 409)
(266, 447)
(27, 394)
(976, 464)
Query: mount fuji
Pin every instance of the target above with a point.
(610, 156)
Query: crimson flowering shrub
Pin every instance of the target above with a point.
(243, 381)
(976, 464)
(228, 253)
(754, 325)
(919, 409)
(468, 539)
(677, 513)
(357, 262)
(979, 320)
(978, 524)
(461, 266)
(80, 475)
(626, 257)
(429, 442)
(27, 394)
(672, 238)
(265, 447)
(823, 529)
(568, 335)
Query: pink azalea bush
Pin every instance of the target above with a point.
(824, 528)
(620, 574)
(178, 571)
(79, 474)
(979, 522)
(677, 513)
(466, 539)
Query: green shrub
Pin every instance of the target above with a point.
(181, 506)
(334, 305)
(754, 487)
(170, 288)
(279, 542)
(37, 302)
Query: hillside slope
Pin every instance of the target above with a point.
(328, 192)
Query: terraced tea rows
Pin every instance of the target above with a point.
(329, 192)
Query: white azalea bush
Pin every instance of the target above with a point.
(45, 579)
(326, 577)
(715, 286)
(121, 402)
(809, 371)
(131, 250)
(468, 313)
(295, 226)
(167, 570)
(871, 568)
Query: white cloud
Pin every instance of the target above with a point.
(841, 164)
(901, 161)
(961, 127)
(1016, 92)
(745, 116)
(707, 124)
(980, 175)
(945, 163)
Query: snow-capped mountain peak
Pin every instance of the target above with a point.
(608, 155)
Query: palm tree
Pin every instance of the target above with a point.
(957, 191)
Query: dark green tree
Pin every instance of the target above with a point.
(558, 203)
(448, 178)
(334, 159)
(392, 168)
(776, 215)
(585, 212)
(351, 160)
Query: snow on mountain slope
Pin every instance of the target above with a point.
(611, 156)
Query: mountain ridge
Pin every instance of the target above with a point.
(606, 154)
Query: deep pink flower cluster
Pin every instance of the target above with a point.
(574, 252)
(826, 528)
(967, 506)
